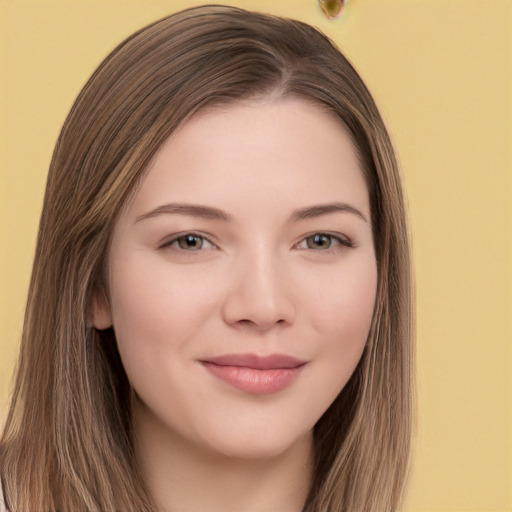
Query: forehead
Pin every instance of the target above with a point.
(258, 152)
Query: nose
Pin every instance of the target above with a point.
(260, 296)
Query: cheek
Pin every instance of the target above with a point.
(346, 300)
(155, 311)
(341, 315)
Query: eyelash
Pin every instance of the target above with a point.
(337, 239)
(340, 242)
(183, 236)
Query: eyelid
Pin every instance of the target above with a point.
(168, 241)
(343, 241)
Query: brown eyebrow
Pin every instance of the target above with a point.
(208, 212)
(312, 212)
(194, 210)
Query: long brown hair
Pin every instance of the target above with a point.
(67, 443)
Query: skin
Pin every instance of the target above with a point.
(256, 283)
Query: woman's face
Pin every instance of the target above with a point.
(242, 277)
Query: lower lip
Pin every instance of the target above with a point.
(252, 380)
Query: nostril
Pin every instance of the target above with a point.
(261, 325)
(259, 300)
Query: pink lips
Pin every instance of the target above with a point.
(255, 374)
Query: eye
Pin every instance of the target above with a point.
(188, 242)
(323, 242)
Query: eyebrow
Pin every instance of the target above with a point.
(312, 212)
(193, 210)
(210, 213)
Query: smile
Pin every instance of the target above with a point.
(255, 374)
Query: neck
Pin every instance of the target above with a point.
(184, 477)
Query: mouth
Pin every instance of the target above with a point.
(255, 374)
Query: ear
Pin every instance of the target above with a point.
(100, 311)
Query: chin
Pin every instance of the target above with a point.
(257, 445)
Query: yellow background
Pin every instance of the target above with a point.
(441, 73)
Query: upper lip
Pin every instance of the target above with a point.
(269, 362)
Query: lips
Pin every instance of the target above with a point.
(255, 374)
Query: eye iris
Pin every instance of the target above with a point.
(319, 242)
(190, 242)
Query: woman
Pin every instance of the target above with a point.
(219, 315)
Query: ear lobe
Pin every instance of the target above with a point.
(100, 311)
